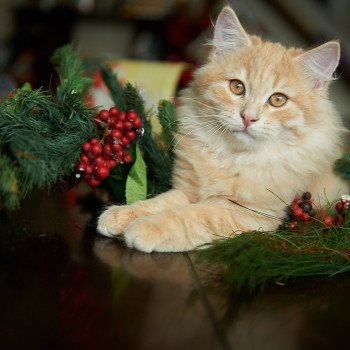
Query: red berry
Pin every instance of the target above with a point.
(306, 218)
(98, 160)
(113, 111)
(298, 212)
(127, 158)
(116, 133)
(84, 158)
(292, 226)
(107, 149)
(119, 125)
(90, 155)
(102, 171)
(124, 140)
(339, 207)
(131, 115)
(104, 115)
(117, 147)
(113, 122)
(89, 169)
(94, 140)
(137, 122)
(86, 146)
(121, 116)
(81, 166)
(127, 125)
(130, 135)
(93, 182)
(96, 149)
(112, 163)
(328, 221)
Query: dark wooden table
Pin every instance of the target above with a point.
(64, 287)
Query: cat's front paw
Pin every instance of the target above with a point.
(161, 233)
(115, 219)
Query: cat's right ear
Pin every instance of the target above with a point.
(229, 34)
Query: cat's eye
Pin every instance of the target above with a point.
(237, 87)
(278, 100)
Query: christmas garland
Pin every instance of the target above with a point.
(46, 138)
(41, 133)
(310, 242)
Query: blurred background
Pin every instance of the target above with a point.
(157, 30)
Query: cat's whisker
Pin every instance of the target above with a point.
(179, 139)
(220, 126)
(201, 116)
(205, 122)
(196, 101)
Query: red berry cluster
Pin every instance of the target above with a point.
(98, 156)
(302, 211)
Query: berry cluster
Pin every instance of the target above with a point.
(98, 156)
(302, 211)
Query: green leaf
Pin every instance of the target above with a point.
(136, 183)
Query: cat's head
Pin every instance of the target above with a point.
(256, 91)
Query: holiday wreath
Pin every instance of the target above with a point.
(50, 138)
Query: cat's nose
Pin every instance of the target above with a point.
(248, 118)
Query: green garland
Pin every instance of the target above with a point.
(251, 260)
(41, 133)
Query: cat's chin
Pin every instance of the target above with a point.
(245, 135)
(246, 140)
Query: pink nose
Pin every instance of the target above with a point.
(248, 119)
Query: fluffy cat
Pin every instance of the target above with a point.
(255, 122)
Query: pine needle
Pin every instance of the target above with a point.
(251, 260)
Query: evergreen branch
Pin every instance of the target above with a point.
(133, 100)
(159, 164)
(70, 69)
(42, 133)
(115, 88)
(253, 259)
(166, 116)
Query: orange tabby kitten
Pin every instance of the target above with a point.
(255, 120)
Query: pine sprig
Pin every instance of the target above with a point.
(70, 69)
(251, 260)
(166, 116)
(42, 133)
(158, 161)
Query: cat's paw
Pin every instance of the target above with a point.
(115, 219)
(160, 233)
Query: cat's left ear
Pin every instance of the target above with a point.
(320, 63)
(229, 33)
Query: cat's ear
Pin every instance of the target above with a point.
(320, 63)
(229, 33)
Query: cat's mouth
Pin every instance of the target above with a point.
(243, 131)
